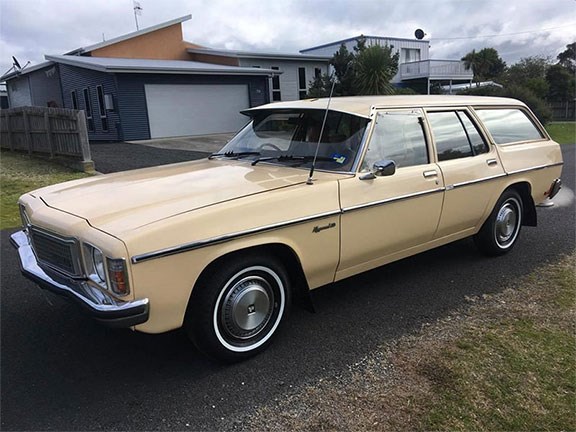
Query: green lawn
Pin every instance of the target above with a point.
(505, 363)
(562, 132)
(20, 173)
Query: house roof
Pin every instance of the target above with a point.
(25, 70)
(123, 65)
(362, 105)
(355, 38)
(83, 50)
(258, 55)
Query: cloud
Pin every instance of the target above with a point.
(31, 28)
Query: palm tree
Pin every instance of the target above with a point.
(375, 67)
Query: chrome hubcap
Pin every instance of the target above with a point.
(506, 224)
(247, 308)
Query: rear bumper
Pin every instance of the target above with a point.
(99, 304)
(554, 188)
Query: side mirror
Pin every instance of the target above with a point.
(381, 168)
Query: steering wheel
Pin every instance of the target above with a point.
(274, 146)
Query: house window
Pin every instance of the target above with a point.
(88, 109)
(276, 94)
(74, 99)
(102, 108)
(409, 55)
(317, 72)
(302, 88)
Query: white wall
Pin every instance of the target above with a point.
(289, 78)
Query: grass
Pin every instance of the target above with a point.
(21, 173)
(562, 132)
(505, 362)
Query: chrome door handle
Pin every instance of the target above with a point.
(431, 173)
(491, 162)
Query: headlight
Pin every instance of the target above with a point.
(109, 273)
(98, 264)
(94, 264)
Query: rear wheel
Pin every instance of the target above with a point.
(499, 233)
(237, 308)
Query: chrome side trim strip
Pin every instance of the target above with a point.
(482, 180)
(389, 200)
(535, 168)
(226, 237)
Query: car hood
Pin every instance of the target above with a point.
(129, 200)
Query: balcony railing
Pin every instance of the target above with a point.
(435, 69)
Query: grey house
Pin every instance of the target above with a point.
(135, 99)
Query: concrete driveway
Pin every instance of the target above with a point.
(199, 143)
(122, 156)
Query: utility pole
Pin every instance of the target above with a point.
(137, 11)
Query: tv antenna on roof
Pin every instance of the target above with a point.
(16, 66)
(137, 11)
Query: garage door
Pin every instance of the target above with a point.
(177, 110)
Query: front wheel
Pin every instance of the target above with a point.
(500, 231)
(238, 307)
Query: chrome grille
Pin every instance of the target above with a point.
(57, 252)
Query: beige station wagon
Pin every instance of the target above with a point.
(301, 197)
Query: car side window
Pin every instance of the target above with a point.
(508, 125)
(397, 136)
(455, 135)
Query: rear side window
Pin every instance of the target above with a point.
(509, 125)
(455, 135)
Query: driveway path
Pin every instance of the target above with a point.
(125, 156)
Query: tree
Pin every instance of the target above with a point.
(567, 58)
(529, 72)
(366, 70)
(561, 82)
(486, 64)
(375, 67)
(343, 63)
(320, 86)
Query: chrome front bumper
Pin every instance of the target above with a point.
(98, 303)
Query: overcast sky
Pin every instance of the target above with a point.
(29, 29)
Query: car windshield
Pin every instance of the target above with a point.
(291, 137)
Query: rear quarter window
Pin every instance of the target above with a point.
(508, 125)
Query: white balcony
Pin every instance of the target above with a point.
(435, 70)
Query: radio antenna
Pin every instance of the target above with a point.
(309, 181)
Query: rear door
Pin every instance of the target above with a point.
(470, 167)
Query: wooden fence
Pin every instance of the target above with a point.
(563, 111)
(56, 132)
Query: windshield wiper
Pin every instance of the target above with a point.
(231, 154)
(297, 159)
